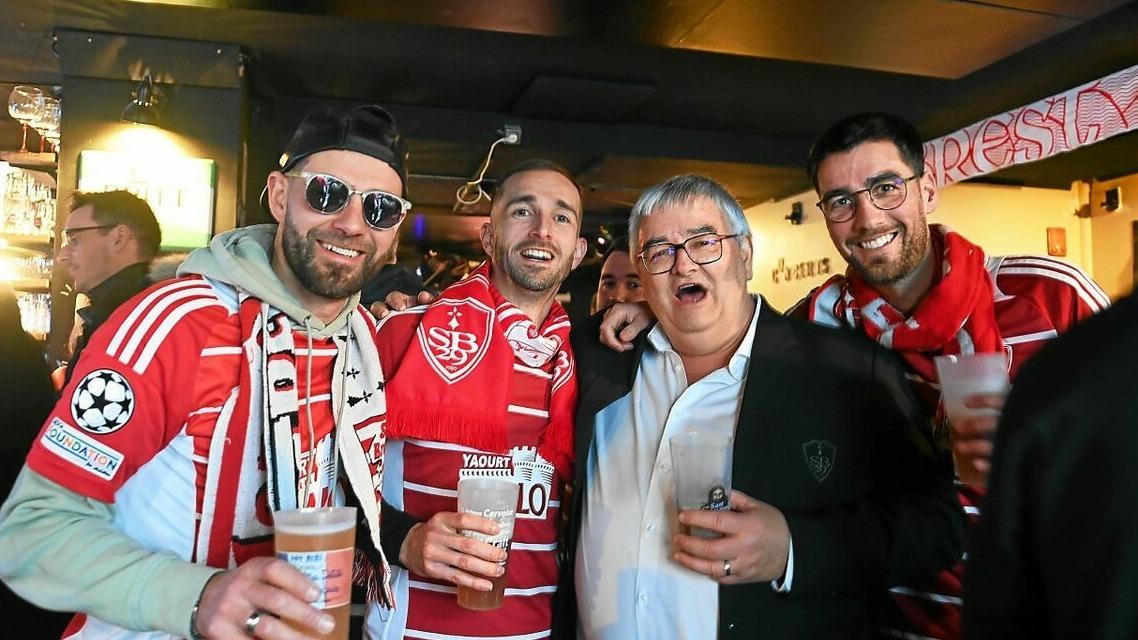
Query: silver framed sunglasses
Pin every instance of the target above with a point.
(328, 194)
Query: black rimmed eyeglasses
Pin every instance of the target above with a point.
(328, 194)
(69, 234)
(705, 248)
(885, 194)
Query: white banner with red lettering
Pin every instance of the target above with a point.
(1084, 115)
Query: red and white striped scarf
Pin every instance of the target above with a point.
(956, 316)
(450, 385)
(252, 439)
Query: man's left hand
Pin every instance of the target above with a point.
(399, 301)
(756, 541)
(973, 438)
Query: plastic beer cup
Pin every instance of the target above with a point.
(321, 543)
(962, 376)
(497, 500)
(701, 465)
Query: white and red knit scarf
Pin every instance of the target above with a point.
(451, 385)
(956, 316)
(252, 440)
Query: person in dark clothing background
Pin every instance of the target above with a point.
(109, 241)
(1054, 554)
(392, 277)
(27, 396)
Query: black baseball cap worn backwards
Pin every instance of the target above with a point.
(368, 129)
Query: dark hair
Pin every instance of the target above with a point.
(536, 164)
(123, 207)
(619, 244)
(848, 133)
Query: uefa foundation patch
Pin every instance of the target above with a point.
(81, 450)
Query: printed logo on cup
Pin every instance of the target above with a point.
(717, 499)
(330, 570)
(532, 472)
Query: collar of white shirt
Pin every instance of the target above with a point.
(737, 366)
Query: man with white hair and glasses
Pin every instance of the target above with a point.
(837, 490)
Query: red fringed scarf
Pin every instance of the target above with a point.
(451, 386)
(956, 316)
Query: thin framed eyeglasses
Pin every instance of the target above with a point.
(328, 194)
(885, 194)
(69, 234)
(705, 248)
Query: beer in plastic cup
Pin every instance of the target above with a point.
(701, 466)
(320, 543)
(494, 498)
(962, 376)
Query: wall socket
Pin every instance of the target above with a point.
(512, 133)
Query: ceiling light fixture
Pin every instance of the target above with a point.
(143, 107)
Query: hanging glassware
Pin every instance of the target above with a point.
(25, 104)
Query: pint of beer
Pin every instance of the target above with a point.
(320, 543)
(701, 465)
(496, 499)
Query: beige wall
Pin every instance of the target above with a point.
(1113, 238)
(1003, 220)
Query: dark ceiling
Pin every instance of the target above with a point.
(627, 93)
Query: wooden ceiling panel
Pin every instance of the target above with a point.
(938, 38)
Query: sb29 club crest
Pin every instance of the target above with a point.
(455, 340)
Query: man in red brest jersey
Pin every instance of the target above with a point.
(484, 384)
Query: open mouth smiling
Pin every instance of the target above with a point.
(340, 251)
(690, 292)
(878, 242)
(538, 255)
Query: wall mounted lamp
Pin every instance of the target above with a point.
(143, 107)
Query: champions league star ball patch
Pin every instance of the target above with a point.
(103, 402)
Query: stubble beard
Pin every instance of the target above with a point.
(913, 250)
(325, 280)
(541, 281)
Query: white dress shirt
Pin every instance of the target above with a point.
(628, 586)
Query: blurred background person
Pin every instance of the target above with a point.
(109, 240)
(619, 281)
(27, 396)
(1054, 554)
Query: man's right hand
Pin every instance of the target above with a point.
(398, 301)
(623, 322)
(437, 548)
(266, 585)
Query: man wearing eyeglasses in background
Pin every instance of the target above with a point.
(249, 385)
(924, 290)
(836, 487)
(109, 241)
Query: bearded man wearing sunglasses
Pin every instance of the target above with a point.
(248, 385)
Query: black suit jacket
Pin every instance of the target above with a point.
(831, 433)
(1055, 555)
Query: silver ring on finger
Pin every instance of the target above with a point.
(251, 623)
(726, 568)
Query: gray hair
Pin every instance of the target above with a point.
(682, 190)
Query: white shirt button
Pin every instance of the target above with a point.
(651, 527)
(642, 598)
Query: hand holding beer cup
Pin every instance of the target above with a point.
(495, 499)
(320, 543)
(751, 543)
(437, 549)
(973, 388)
(268, 587)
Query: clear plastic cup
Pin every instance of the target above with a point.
(321, 543)
(701, 466)
(497, 500)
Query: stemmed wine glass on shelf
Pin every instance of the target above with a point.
(47, 122)
(25, 104)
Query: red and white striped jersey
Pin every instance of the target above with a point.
(134, 425)
(1036, 299)
(421, 478)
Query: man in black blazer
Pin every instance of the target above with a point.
(838, 491)
(1054, 555)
